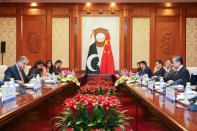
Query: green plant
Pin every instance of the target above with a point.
(89, 112)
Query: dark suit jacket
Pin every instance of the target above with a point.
(56, 70)
(147, 70)
(12, 72)
(160, 72)
(168, 75)
(33, 73)
(183, 74)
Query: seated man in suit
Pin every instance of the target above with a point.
(57, 66)
(160, 70)
(169, 71)
(17, 71)
(181, 72)
(145, 69)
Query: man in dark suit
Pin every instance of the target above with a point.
(181, 72)
(160, 70)
(169, 71)
(17, 71)
(145, 69)
(57, 66)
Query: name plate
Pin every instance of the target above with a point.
(170, 106)
(37, 85)
(37, 94)
(8, 93)
(9, 106)
(170, 94)
(151, 85)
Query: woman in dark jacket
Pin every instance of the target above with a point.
(36, 69)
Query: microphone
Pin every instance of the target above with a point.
(173, 83)
(20, 84)
(155, 78)
(193, 99)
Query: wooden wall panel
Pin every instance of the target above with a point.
(191, 12)
(34, 11)
(34, 38)
(168, 37)
(7, 11)
(163, 20)
(167, 11)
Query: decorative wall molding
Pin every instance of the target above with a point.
(34, 42)
(168, 43)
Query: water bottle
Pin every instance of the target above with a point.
(187, 91)
(12, 87)
(54, 78)
(38, 77)
(161, 82)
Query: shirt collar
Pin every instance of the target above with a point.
(17, 67)
(168, 70)
(179, 67)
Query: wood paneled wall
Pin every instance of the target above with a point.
(34, 29)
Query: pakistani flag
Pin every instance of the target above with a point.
(92, 66)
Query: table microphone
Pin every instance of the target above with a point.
(173, 83)
(155, 78)
(193, 99)
(20, 84)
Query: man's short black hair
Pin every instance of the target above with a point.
(178, 59)
(143, 62)
(169, 60)
(58, 61)
(160, 61)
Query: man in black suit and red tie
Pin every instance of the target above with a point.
(181, 72)
(17, 71)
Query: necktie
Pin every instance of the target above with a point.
(22, 80)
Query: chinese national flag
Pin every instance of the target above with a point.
(107, 61)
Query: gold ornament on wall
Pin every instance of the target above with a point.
(34, 42)
(99, 36)
(168, 43)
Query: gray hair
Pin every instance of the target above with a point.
(22, 58)
(178, 59)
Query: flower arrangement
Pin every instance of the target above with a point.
(66, 76)
(88, 112)
(128, 76)
(97, 89)
(100, 81)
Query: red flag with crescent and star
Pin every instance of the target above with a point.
(107, 61)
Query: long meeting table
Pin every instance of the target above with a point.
(176, 118)
(169, 112)
(24, 102)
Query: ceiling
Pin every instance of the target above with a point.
(97, 1)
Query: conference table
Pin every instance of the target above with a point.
(24, 102)
(168, 112)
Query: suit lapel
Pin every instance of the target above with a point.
(17, 72)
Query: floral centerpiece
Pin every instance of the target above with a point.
(97, 89)
(128, 76)
(99, 81)
(66, 76)
(89, 112)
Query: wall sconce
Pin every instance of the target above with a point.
(88, 8)
(113, 8)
